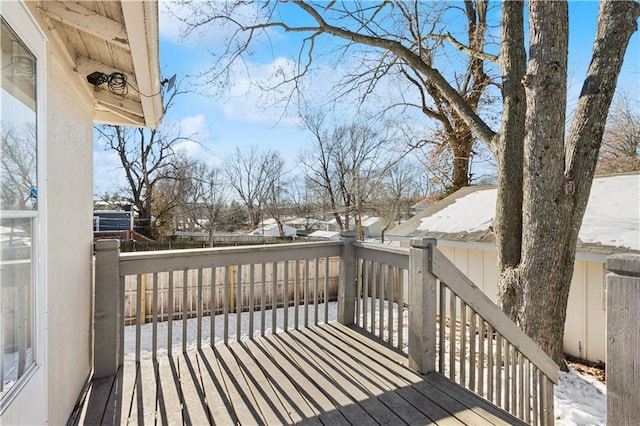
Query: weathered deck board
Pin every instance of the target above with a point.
(328, 374)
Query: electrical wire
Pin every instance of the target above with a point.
(117, 83)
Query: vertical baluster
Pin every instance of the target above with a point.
(225, 308)
(548, 401)
(170, 318)
(400, 273)
(315, 291)
(381, 282)
(453, 302)
(473, 334)
(154, 315)
(214, 308)
(390, 304)
(286, 296)
(306, 293)
(239, 303)
(365, 293)
(499, 382)
(442, 327)
(296, 294)
(527, 389)
(535, 377)
(263, 300)
(252, 300)
(490, 363)
(521, 393)
(359, 298)
(199, 302)
(274, 299)
(326, 289)
(463, 343)
(507, 375)
(481, 364)
(138, 314)
(185, 308)
(514, 380)
(374, 286)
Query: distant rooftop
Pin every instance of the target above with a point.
(612, 218)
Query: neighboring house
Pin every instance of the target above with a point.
(109, 220)
(49, 48)
(371, 226)
(305, 224)
(269, 227)
(324, 235)
(462, 223)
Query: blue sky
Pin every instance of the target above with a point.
(242, 117)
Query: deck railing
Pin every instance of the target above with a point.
(420, 302)
(415, 299)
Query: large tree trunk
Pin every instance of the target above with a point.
(509, 156)
(557, 178)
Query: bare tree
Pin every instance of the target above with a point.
(418, 27)
(204, 198)
(301, 198)
(348, 161)
(620, 150)
(18, 167)
(147, 157)
(397, 192)
(252, 174)
(544, 174)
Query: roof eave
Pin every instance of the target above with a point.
(141, 22)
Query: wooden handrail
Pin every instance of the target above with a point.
(173, 260)
(446, 271)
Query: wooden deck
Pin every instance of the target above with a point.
(329, 375)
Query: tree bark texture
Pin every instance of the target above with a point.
(557, 178)
(509, 156)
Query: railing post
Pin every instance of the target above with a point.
(108, 324)
(623, 339)
(347, 279)
(422, 306)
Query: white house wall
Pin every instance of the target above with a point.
(585, 328)
(70, 189)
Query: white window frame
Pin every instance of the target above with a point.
(25, 26)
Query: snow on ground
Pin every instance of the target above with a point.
(580, 399)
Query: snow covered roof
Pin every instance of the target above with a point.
(368, 221)
(272, 229)
(324, 235)
(612, 217)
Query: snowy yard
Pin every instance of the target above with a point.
(580, 399)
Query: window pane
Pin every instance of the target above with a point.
(18, 208)
(18, 190)
(16, 299)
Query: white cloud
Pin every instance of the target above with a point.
(261, 94)
(107, 171)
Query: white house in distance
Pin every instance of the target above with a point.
(462, 224)
(55, 58)
(269, 227)
(371, 226)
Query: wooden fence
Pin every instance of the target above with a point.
(305, 277)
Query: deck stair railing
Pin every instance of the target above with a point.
(415, 299)
(420, 302)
